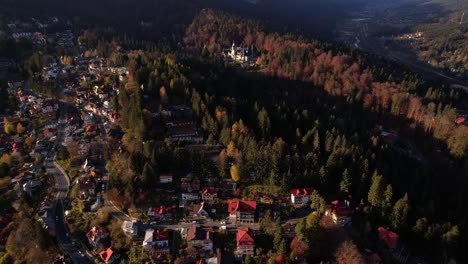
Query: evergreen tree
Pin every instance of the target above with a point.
(317, 202)
(345, 184)
(376, 192)
(400, 213)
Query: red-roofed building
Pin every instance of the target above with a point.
(245, 242)
(390, 238)
(156, 240)
(460, 120)
(209, 193)
(340, 212)
(242, 211)
(301, 196)
(109, 256)
(162, 213)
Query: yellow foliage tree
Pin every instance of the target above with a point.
(231, 150)
(9, 127)
(235, 173)
(6, 158)
(20, 129)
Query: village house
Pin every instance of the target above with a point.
(245, 242)
(193, 196)
(242, 211)
(388, 237)
(199, 238)
(130, 227)
(288, 231)
(201, 210)
(161, 213)
(157, 241)
(165, 179)
(301, 196)
(86, 188)
(109, 256)
(98, 235)
(209, 194)
(50, 107)
(340, 212)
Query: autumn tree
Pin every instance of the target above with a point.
(348, 253)
(235, 173)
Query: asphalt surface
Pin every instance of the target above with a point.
(62, 186)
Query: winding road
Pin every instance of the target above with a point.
(62, 186)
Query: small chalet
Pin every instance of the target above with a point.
(130, 227)
(388, 237)
(156, 240)
(50, 107)
(340, 212)
(245, 242)
(201, 210)
(165, 178)
(301, 196)
(86, 187)
(200, 238)
(209, 194)
(109, 256)
(242, 211)
(288, 231)
(190, 196)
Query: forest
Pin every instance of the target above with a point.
(444, 44)
(310, 113)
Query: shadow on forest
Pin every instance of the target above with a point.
(436, 179)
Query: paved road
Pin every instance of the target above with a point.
(62, 185)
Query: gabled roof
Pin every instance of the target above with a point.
(241, 205)
(302, 191)
(244, 236)
(160, 235)
(196, 233)
(389, 237)
(106, 254)
(209, 190)
(340, 209)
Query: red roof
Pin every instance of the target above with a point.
(460, 120)
(209, 190)
(389, 237)
(242, 206)
(162, 210)
(244, 237)
(106, 254)
(340, 209)
(302, 191)
(160, 236)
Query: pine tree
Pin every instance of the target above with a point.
(345, 184)
(388, 194)
(400, 213)
(317, 202)
(375, 195)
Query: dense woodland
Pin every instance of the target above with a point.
(310, 114)
(444, 44)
